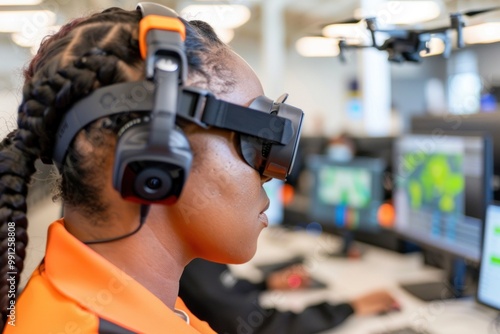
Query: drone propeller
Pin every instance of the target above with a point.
(351, 20)
(471, 13)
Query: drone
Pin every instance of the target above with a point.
(407, 45)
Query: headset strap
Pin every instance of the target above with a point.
(196, 106)
(203, 108)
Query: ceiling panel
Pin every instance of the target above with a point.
(301, 18)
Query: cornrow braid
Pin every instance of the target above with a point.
(59, 75)
(84, 55)
(16, 167)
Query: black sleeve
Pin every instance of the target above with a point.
(231, 308)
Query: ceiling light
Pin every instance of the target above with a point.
(483, 33)
(225, 35)
(402, 12)
(27, 22)
(314, 46)
(20, 2)
(223, 16)
(436, 47)
(33, 39)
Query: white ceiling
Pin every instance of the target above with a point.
(301, 18)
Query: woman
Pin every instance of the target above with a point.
(104, 270)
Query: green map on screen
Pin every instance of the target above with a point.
(434, 180)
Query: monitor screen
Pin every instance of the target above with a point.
(487, 123)
(488, 291)
(441, 191)
(346, 194)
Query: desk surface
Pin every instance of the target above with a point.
(377, 269)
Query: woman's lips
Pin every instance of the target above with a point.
(262, 216)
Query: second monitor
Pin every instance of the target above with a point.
(443, 184)
(346, 195)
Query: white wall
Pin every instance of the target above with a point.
(317, 85)
(39, 218)
(10, 86)
(488, 64)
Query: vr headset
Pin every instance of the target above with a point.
(153, 157)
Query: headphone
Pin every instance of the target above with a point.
(153, 157)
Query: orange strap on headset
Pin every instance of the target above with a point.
(158, 22)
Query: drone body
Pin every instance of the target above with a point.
(408, 45)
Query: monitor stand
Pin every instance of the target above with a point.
(349, 248)
(455, 286)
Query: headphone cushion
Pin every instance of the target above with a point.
(149, 174)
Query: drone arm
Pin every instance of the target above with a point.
(342, 46)
(371, 25)
(457, 23)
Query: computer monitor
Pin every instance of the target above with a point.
(486, 123)
(346, 195)
(442, 187)
(377, 147)
(441, 191)
(488, 291)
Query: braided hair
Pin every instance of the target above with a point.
(84, 55)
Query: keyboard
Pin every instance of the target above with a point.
(404, 330)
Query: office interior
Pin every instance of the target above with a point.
(403, 120)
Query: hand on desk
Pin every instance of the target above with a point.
(289, 278)
(378, 302)
(297, 277)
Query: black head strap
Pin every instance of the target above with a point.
(196, 106)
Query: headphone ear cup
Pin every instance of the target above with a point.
(146, 174)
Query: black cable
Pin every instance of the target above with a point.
(144, 214)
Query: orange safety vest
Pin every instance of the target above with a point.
(77, 291)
